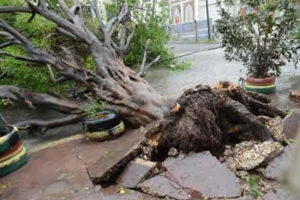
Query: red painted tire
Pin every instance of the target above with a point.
(261, 81)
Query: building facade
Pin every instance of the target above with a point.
(189, 15)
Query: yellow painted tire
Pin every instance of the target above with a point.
(261, 89)
(8, 140)
(13, 163)
(107, 134)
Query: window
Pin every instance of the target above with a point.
(176, 16)
(189, 13)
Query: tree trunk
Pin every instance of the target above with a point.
(112, 82)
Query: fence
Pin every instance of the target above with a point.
(186, 31)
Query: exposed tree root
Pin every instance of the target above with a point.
(208, 119)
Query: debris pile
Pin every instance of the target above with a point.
(220, 143)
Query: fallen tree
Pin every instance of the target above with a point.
(112, 82)
(203, 119)
(208, 119)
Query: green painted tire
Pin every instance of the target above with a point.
(107, 134)
(14, 163)
(9, 140)
(261, 89)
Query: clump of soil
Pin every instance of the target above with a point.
(208, 119)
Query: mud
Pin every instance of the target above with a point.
(194, 126)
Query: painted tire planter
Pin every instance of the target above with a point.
(107, 134)
(107, 125)
(261, 81)
(261, 89)
(7, 140)
(261, 85)
(13, 163)
(107, 120)
(13, 153)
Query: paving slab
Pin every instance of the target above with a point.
(163, 187)
(291, 124)
(277, 167)
(60, 172)
(279, 193)
(103, 169)
(135, 172)
(126, 194)
(203, 173)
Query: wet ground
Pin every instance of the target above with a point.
(210, 67)
(61, 172)
(58, 170)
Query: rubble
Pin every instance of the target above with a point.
(275, 126)
(173, 152)
(295, 96)
(250, 154)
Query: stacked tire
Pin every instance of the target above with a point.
(107, 126)
(261, 85)
(13, 154)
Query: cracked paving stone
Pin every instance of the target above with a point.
(279, 193)
(163, 187)
(128, 195)
(279, 165)
(135, 172)
(239, 198)
(291, 124)
(203, 173)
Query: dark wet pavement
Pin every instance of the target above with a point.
(60, 172)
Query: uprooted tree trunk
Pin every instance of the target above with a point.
(208, 119)
(112, 82)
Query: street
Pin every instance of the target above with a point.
(210, 67)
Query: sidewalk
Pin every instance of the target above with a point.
(59, 172)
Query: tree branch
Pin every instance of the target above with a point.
(60, 79)
(22, 58)
(71, 119)
(14, 9)
(7, 44)
(144, 68)
(32, 99)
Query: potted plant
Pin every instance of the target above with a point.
(102, 124)
(260, 36)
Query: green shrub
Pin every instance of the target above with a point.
(148, 25)
(260, 35)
